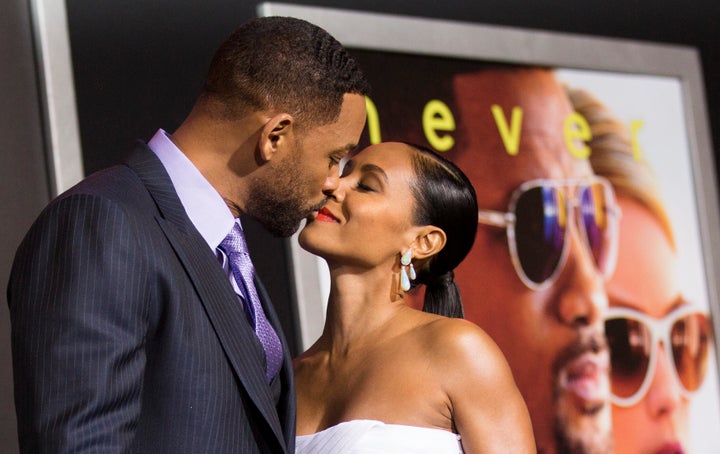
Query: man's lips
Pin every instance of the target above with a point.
(325, 215)
(586, 379)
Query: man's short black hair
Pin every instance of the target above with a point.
(283, 64)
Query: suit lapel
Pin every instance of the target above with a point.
(286, 374)
(214, 291)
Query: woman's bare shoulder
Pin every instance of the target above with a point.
(457, 334)
(458, 345)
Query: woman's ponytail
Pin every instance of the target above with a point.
(442, 296)
(444, 198)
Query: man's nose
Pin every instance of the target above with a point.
(582, 297)
(332, 180)
(334, 189)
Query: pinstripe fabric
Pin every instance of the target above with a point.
(126, 334)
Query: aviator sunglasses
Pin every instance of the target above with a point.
(633, 338)
(537, 222)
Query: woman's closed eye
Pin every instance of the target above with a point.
(372, 178)
(365, 186)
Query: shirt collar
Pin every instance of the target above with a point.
(203, 204)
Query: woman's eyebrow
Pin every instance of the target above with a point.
(372, 168)
(679, 301)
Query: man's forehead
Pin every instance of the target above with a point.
(511, 104)
(497, 154)
(495, 173)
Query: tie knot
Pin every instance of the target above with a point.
(234, 242)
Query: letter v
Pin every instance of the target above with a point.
(510, 136)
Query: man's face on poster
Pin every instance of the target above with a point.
(552, 337)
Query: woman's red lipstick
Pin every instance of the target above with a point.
(325, 215)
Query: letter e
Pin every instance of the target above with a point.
(577, 132)
(438, 117)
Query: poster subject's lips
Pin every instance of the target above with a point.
(671, 448)
(586, 377)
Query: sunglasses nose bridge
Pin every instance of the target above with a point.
(575, 212)
(578, 238)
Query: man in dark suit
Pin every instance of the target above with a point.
(132, 328)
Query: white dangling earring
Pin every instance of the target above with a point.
(407, 270)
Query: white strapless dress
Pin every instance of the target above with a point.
(376, 437)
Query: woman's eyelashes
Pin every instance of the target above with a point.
(369, 180)
(365, 187)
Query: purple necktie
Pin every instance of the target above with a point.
(236, 249)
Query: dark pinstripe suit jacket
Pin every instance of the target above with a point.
(128, 337)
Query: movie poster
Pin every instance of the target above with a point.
(435, 102)
(617, 167)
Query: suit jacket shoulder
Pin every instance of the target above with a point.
(140, 343)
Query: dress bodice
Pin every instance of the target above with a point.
(376, 437)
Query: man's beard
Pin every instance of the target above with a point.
(599, 442)
(279, 204)
(280, 216)
(590, 430)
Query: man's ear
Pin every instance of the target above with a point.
(429, 241)
(277, 134)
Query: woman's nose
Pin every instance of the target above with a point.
(664, 395)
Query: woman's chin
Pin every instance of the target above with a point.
(305, 240)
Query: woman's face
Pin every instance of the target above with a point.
(645, 280)
(368, 219)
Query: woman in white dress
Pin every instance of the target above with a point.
(385, 377)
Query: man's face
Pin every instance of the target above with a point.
(298, 180)
(552, 338)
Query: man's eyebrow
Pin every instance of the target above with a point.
(372, 168)
(341, 152)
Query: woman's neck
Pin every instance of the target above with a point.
(362, 309)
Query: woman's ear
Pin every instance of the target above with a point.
(276, 135)
(429, 241)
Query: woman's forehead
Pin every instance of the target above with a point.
(391, 154)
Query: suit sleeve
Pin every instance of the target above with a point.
(78, 300)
